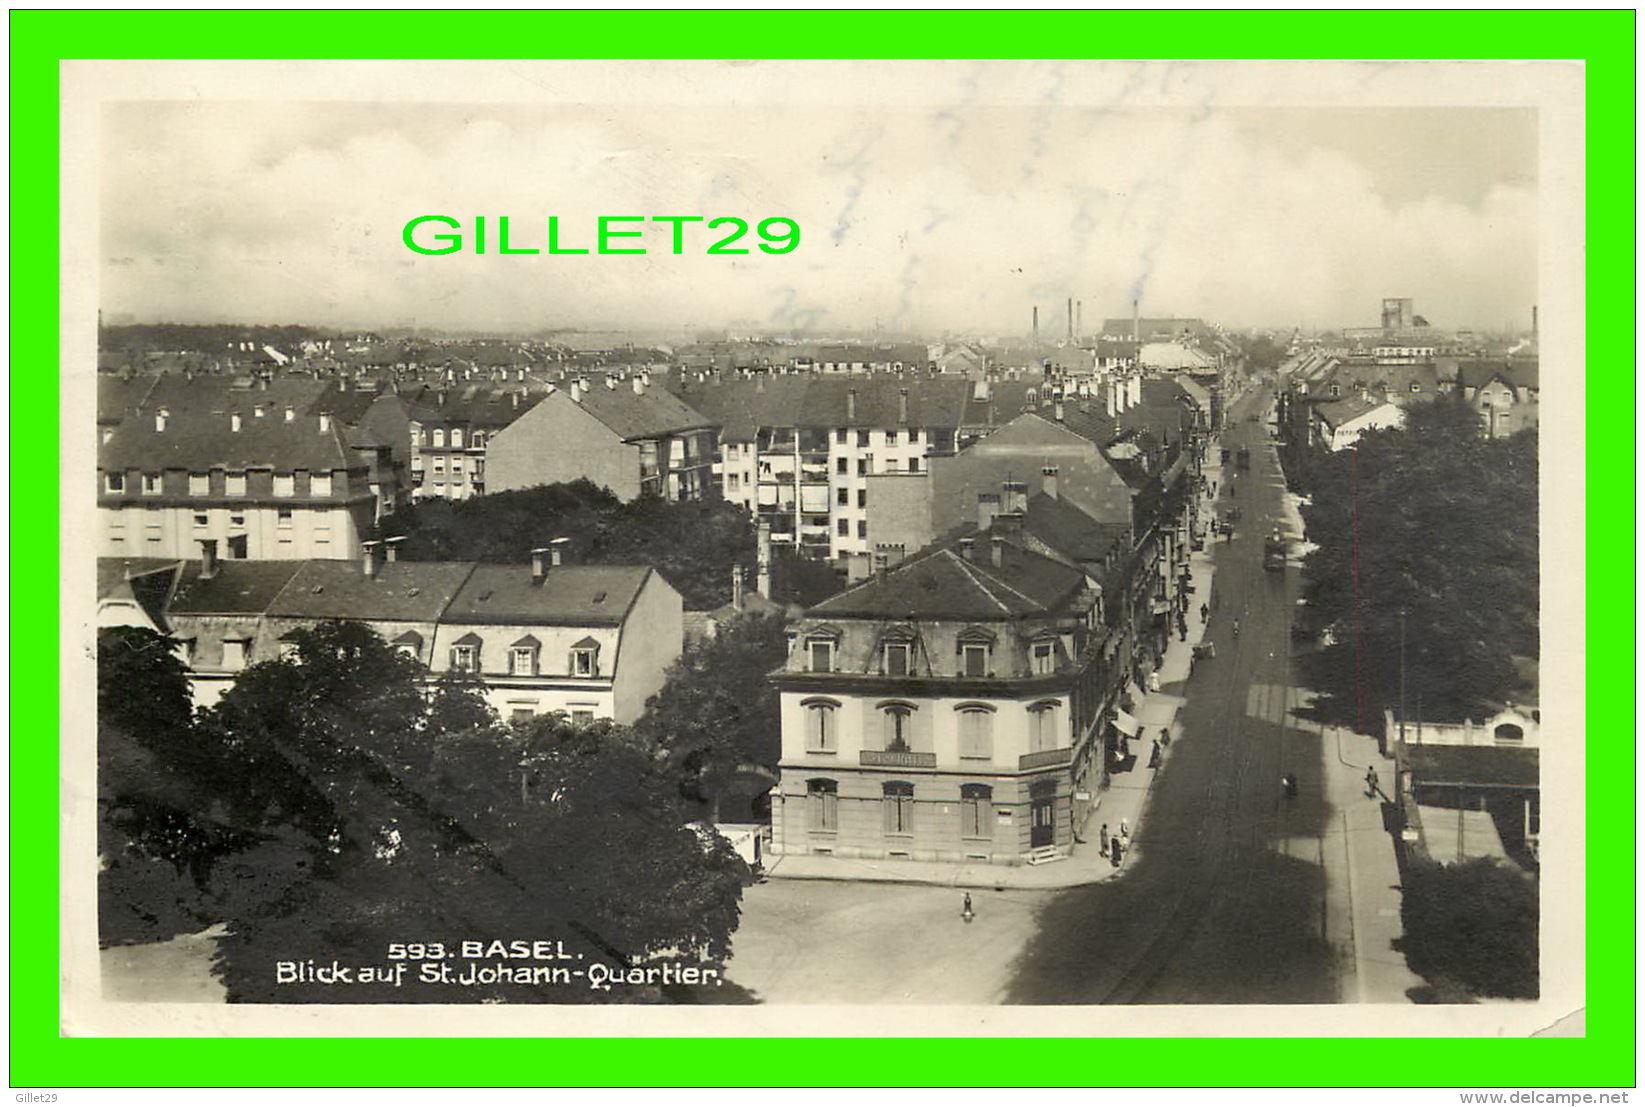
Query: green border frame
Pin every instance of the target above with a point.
(1603, 40)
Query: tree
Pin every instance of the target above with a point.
(422, 820)
(1475, 924)
(1425, 534)
(719, 718)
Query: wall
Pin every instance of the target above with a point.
(558, 440)
(653, 637)
(553, 689)
(332, 533)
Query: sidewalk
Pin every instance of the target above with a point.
(1125, 797)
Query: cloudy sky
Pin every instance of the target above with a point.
(957, 215)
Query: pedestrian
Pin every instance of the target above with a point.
(1153, 680)
(1102, 840)
(1116, 853)
(1125, 831)
(966, 912)
(1372, 784)
(1153, 756)
(1182, 630)
(1204, 613)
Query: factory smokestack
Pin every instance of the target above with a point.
(1136, 322)
(1079, 315)
(1070, 320)
(1036, 324)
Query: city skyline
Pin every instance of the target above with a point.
(956, 213)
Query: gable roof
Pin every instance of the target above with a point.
(570, 595)
(237, 588)
(200, 442)
(631, 415)
(942, 584)
(401, 590)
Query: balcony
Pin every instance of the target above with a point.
(900, 759)
(1045, 758)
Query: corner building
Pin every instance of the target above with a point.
(935, 711)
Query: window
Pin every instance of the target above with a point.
(822, 798)
(282, 518)
(234, 484)
(731, 482)
(821, 733)
(153, 521)
(842, 466)
(114, 482)
(285, 484)
(974, 660)
(897, 657)
(822, 654)
(582, 716)
(319, 484)
(521, 714)
(862, 466)
(842, 497)
(199, 484)
(976, 731)
(844, 528)
(913, 465)
(862, 528)
(457, 438)
(862, 497)
(890, 438)
(439, 466)
(1043, 732)
(899, 807)
(151, 484)
(234, 653)
(1044, 658)
(465, 658)
(862, 438)
(476, 440)
(439, 439)
(975, 800)
(585, 661)
(201, 521)
(839, 436)
(899, 726)
(522, 661)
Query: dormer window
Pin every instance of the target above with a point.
(285, 484)
(114, 482)
(1044, 657)
(151, 484)
(456, 439)
(199, 484)
(897, 658)
(439, 439)
(821, 645)
(585, 658)
(976, 649)
(234, 484)
(320, 484)
(522, 657)
(465, 654)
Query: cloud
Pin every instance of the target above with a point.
(294, 213)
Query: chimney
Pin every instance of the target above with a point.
(391, 548)
(291, 413)
(610, 383)
(372, 562)
(1057, 411)
(557, 551)
(208, 558)
(851, 405)
(880, 563)
(514, 398)
(325, 421)
(1079, 316)
(1036, 324)
(987, 506)
(539, 565)
(1014, 495)
(902, 405)
(1070, 320)
(571, 390)
(996, 552)
(1136, 324)
(968, 549)
(1048, 481)
(258, 411)
(1533, 323)
(762, 578)
(160, 418)
(1008, 522)
(234, 422)
(639, 386)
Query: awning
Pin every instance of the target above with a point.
(1126, 723)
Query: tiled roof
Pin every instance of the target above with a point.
(200, 442)
(944, 585)
(1338, 412)
(1068, 530)
(113, 572)
(631, 415)
(741, 406)
(1519, 372)
(570, 595)
(237, 588)
(409, 590)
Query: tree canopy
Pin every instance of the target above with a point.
(1428, 533)
(695, 544)
(719, 718)
(369, 813)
